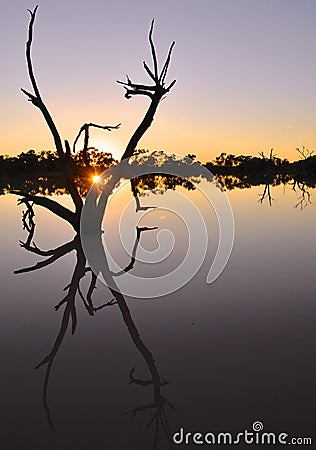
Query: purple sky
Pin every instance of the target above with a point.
(245, 70)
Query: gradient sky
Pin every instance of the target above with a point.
(245, 70)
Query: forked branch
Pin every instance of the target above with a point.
(155, 92)
(266, 194)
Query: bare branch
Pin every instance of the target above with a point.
(67, 148)
(74, 321)
(137, 86)
(153, 51)
(28, 222)
(58, 253)
(69, 313)
(155, 93)
(49, 360)
(105, 127)
(166, 65)
(171, 85)
(266, 194)
(85, 128)
(37, 99)
(92, 287)
(129, 93)
(51, 205)
(110, 303)
(60, 336)
(140, 382)
(32, 98)
(28, 52)
(305, 197)
(130, 266)
(305, 153)
(32, 247)
(152, 76)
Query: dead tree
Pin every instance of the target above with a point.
(63, 152)
(155, 92)
(304, 153)
(69, 318)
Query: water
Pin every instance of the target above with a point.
(234, 352)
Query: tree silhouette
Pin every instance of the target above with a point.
(68, 163)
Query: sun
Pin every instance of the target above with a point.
(96, 179)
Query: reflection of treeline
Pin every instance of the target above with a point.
(48, 184)
(158, 183)
(244, 171)
(40, 173)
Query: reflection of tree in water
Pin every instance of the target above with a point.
(73, 181)
(266, 195)
(299, 184)
(304, 197)
(69, 316)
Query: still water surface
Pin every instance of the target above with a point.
(234, 352)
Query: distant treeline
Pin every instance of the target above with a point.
(245, 171)
(47, 161)
(39, 172)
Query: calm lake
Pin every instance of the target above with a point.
(237, 351)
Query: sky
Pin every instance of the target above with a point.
(245, 71)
